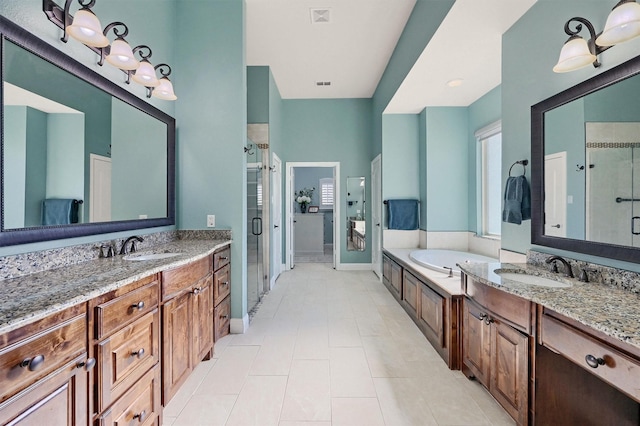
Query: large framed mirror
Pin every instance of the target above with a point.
(585, 148)
(80, 155)
(356, 237)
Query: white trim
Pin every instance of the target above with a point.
(355, 267)
(489, 130)
(336, 210)
(239, 325)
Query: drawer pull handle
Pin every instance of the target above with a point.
(223, 258)
(33, 363)
(140, 416)
(479, 317)
(196, 291)
(139, 353)
(593, 362)
(224, 317)
(139, 306)
(225, 283)
(488, 320)
(88, 364)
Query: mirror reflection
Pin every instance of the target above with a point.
(591, 163)
(76, 155)
(356, 237)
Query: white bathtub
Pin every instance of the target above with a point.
(442, 260)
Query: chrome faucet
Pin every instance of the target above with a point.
(132, 239)
(567, 268)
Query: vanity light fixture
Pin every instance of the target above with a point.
(622, 24)
(85, 27)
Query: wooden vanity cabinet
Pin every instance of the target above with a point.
(222, 292)
(44, 367)
(392, 276)
(584, 377)
(187, 322)
(125, 338)
(497, 340)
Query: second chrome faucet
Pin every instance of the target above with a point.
(132, 239)
(567, 268)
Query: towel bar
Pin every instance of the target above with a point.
(387, 201)
(523, 163)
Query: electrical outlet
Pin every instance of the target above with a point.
(211, 220)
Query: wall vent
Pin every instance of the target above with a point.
(323, 83)
(320, 16)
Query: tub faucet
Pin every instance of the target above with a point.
(132, 239)
(567, 268)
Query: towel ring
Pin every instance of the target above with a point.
(523, 163)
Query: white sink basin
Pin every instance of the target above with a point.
(151, 256)
(530, 279)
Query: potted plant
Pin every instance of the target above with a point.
(303, 198)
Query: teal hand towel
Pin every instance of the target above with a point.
(403, 214)
(59, 211)
(517, 200)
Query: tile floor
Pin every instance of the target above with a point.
(326, 348)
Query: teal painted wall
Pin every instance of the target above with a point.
(14, 172)
(484, 111)
(447, 181)
(330, 130)
(212, 121)
(139, 171)
(258, 94)
(36, 182)
(527, 78)
(422, 167)
(400, 153)
(422, 24)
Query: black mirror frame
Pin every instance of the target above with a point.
(26, 40)
(600, 81)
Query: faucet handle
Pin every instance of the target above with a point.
(584, 274)
(554, 267)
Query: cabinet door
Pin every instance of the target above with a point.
(510, 370)
(476, 342)
(432, 309)
(410, 287)
(177, 346)
(58, 399)
(203, 320)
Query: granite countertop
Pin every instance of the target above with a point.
(609, 309)
(35, 296)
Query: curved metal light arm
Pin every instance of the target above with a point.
(591, 42)
(140, 50)
(161, 68)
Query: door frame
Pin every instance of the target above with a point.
(561, 188)
(376, 206)
(276, 206)
(289, 210)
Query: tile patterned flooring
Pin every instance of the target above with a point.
(327, 348)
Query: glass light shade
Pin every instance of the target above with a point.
(121, 56)
(575, 54)
(622, 24)
(87, 29)
(164, 90)
(146, 75)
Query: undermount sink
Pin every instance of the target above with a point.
(150, 256)
(525, 278)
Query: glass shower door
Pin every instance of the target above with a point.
(254, 236)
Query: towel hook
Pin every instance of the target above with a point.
(523, 163)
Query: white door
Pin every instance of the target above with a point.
(276, 210)
(292, 218)
(555, 194)
(100, 188)
(376, 215)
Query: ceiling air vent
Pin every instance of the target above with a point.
(320, 16)
(323, 83)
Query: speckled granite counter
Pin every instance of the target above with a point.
(28, 298)
(609, 309)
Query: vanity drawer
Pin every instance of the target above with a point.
(221, 284)
(511, 308)
(124, 357)
(47, 350)
(115, 313)
(140, 405)
(221, 258)
(222, 317)
(177, 279)
(618, 369)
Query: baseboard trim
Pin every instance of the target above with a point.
(239, 325)
(354, 267)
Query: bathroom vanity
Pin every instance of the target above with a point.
(110, 341)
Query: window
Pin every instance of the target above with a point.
(326, 193)
(489, 179)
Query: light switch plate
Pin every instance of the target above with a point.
(211, 220)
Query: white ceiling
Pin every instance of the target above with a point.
(353, 49)
(14, 95)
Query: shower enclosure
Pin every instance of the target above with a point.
(613, 192)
